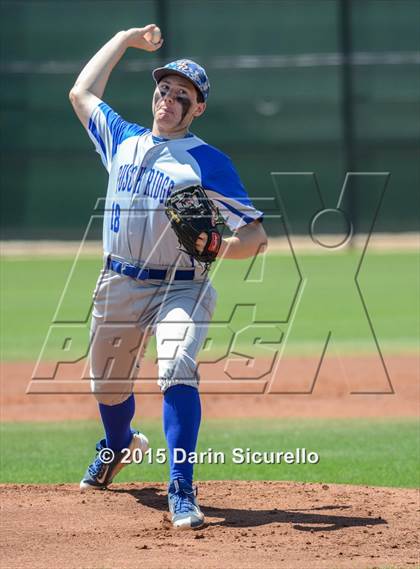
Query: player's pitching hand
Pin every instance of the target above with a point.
(147, 38)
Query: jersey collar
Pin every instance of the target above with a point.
(160, 139)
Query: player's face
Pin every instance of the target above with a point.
(175, 104)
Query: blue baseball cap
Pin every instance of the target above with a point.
(188, 69)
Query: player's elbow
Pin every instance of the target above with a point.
(262, 245)
(263, 234)
(78, 96)
(253, 239)
(260, 238)
(74, 95)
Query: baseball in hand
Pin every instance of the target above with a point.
(154, 35)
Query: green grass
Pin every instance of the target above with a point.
(31, 290)
(371, 452)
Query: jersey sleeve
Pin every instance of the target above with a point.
(108, 130)
(223, 185)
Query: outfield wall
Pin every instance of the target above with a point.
(276, 104)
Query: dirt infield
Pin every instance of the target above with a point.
(331, 396)
(249, 525)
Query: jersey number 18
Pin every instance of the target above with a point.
(115, 217)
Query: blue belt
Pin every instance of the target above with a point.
(142, 274)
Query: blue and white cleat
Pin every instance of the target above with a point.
(101, 473)
(182, 499)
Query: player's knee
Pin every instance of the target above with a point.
(108, 394)
(181, 370)
(167, 382)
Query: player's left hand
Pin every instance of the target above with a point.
(197, 223)
(201, 242)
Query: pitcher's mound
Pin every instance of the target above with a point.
(248, 525)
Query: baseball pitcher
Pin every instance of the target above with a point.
(169, 194)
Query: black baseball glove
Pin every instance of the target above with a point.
(191, 212)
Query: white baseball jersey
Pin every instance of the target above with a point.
(143, 171)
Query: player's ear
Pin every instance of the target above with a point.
(199, 110)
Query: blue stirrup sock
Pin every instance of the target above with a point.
(116, 420)
(181, 423)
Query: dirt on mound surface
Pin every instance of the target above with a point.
(248, 525)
